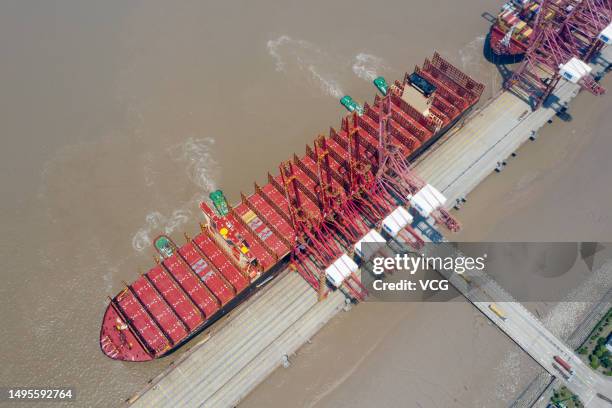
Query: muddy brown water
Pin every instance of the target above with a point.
(118, 116)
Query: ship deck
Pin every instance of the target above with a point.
(175, 299)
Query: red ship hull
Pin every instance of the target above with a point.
(514, 48)
(195, 285)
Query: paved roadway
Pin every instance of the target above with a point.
(542, 346)
(531, 335)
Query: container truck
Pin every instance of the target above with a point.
(495, 309)
(563, 364)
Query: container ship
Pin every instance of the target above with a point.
(584, 26)
(240, 248)
(512, 31)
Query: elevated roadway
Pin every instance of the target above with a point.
(528, 332)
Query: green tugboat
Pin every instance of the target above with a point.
(164, 246)
(382, 85)
(351, 105)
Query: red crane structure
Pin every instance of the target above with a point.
(396, 176)
(322, 232)
(357, 176)
(585, 21)
(565, 35)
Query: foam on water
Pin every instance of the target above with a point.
(202, 169)
(368, 66)
(156, 223)
(273, 49)
(328, 85)
(295, 55)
